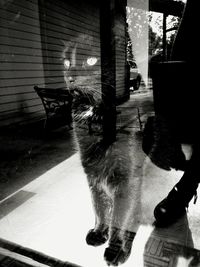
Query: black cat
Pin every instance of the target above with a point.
(113, 176)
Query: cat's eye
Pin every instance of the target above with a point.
(91, 61)
(67, 63)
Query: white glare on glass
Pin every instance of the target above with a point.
(91, 61)
(66, 63)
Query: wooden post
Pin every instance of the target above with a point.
(108, 68)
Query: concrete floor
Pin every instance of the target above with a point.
(45, 201)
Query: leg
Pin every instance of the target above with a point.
(101, 204)
(174, 205)
(123, 219)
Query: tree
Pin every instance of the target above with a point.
(130, 56)
(156, 33)
(172, 27)
(155, 42)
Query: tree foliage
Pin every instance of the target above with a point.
(138, 24)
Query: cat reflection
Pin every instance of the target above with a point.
(112, 176)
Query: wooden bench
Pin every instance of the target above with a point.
(57, 104)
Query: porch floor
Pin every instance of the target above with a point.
(45, 201)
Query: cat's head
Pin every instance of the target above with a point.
(81, 64)
(82, 75)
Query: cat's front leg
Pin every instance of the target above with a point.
(102, 207)
(124, 223)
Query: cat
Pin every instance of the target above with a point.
(113, 176)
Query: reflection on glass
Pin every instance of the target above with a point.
(77, 186)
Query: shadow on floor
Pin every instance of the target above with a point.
(28, 152)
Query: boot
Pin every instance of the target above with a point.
(174, 206)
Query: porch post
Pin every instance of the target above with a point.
(108, 68)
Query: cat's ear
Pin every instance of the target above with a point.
(64, 42)
(66, 45)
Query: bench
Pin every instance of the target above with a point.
(57, 104)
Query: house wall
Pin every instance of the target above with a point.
(33, 34)
(21, 62)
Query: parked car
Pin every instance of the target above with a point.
(135, 77)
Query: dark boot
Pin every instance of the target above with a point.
(174, 206)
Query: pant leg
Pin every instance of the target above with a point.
(191, 176)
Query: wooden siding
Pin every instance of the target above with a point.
(32, 33)
(21, 61)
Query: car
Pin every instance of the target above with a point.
(135, 77)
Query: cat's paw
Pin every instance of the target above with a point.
(119, 251)
(97, 237)
(116, 255)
